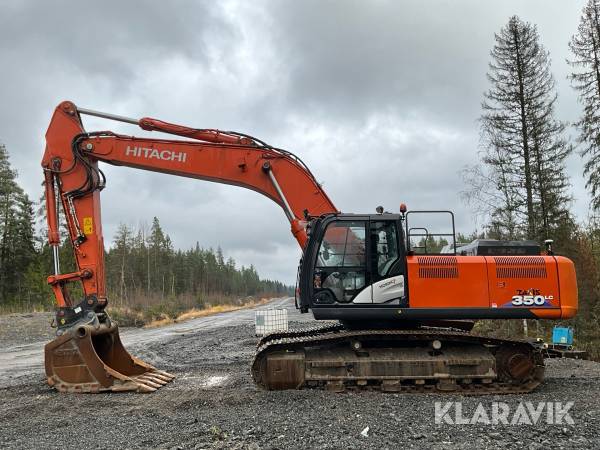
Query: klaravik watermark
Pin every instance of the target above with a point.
(500, 413)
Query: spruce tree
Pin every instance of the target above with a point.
(16, 232)
(585, 78)
(522, 177)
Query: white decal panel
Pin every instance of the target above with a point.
(364, 296)
(382, 291)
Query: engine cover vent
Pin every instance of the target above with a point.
(438, 267)
(520, 267)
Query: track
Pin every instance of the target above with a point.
(397, 361)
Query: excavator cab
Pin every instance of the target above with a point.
(353, 262)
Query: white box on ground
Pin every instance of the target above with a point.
(270, 320)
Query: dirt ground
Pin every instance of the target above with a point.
(18, 329)
(214, 404)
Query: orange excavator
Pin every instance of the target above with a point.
(403, 313)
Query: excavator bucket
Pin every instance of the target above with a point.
(91, 358)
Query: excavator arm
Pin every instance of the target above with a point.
(73, 181)
(87, 355)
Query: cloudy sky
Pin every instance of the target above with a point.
(380, 99)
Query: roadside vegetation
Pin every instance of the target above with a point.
(167, 312)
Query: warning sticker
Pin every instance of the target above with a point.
(88, 225)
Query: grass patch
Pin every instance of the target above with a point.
(128, 317)
(160, 322)
(195, 313)
(17, 308)
(160, 315)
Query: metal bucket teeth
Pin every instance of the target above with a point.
(148, 382)
(92, 359)
(167, 375)
(153, 379)
(146, 386)
(164, 376)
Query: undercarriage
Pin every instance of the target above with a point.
(414, 360)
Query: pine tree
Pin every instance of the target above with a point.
(585, 46)
(522, 182)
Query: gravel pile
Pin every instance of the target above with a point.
(213, 404)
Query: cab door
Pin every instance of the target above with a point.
(387, 262)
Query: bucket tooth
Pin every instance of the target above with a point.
(148, 382)
(91, 358)
(153, 379)
(145, 389)
(158, 376)
(129, 386)
(164, 374)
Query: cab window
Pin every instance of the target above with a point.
(340, 272)
(384, 241)
(343, 245)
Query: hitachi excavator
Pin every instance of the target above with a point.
(399, 317)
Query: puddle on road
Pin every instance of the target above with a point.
(205, 381)
(214, 381)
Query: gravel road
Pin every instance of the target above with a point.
(214, 404)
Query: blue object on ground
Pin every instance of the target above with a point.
(562, 335)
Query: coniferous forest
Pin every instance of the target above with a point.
(144, 271)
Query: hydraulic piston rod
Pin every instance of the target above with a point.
(286, 206)
(91, 112)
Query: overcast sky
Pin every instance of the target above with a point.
(379, 98)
